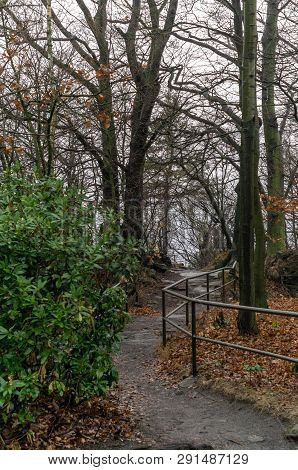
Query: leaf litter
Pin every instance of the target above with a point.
(81, 426)
(272, 384)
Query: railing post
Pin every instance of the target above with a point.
(208, 288)
(164, 324)
(187, 306)
(223, 291)
(193, 340)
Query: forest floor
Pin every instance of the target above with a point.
(171, 410)
(157, 405)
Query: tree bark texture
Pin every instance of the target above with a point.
(146, 79)
(276, 218)
(249, 156)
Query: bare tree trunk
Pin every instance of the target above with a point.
(249, 155)
(238, 42)
(260, 239)
(146, 80)
(276, 218)
(109, 166)
(51, 121)
(140, 121)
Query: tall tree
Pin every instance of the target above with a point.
(101, 91)
(276, 218)
(52, 115)
(248, 170)
(146, 79)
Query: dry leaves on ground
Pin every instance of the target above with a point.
(77, 427)
(271, 383)
(144, 311)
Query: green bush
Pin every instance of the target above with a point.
(62, 309)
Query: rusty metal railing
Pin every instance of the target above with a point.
(192, 302)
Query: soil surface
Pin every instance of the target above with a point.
(185, 417)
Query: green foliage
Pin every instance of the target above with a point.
(62, 308)
(221, 321)
(252, 368)
(118, 258)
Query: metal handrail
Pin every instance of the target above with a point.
(196, 276)
(270, 311)
(208, 291)
(176, 309)
(213, 290)
(199, 301)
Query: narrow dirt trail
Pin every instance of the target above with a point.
(186, 417)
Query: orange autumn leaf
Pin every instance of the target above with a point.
(20, 150)
(8, 139)
(46, 97)
(105, 119)
(278, 204)
(18, 105)
(116, 114)
(9, 52)
(107, 124)
(103, 71)
(145, 310)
